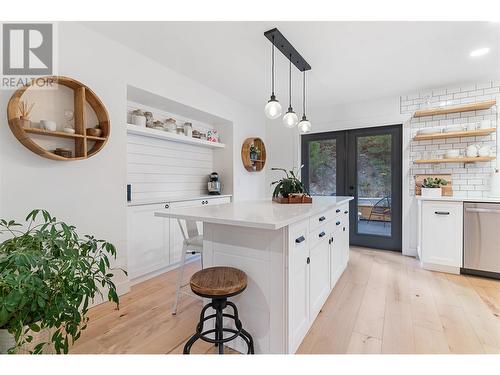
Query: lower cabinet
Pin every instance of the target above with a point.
(148, 239)
(317, 256)
(319, 273)
(441, 235)
(155, 243)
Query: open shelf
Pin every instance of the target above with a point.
(161, 134)
(469, 133)
(455, 109)
(61, 134)
(455, 160)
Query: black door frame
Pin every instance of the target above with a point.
(346, 177)
(341, 151)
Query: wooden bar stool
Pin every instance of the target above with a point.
(218, 284)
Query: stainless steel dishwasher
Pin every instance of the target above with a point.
(482, 239)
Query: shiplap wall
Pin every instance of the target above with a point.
(159, 168)
(468, 180)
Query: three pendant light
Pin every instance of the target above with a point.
(273, 108)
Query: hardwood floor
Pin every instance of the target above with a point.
(383, 303)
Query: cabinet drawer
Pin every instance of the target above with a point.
(223, 200)
(320, 219)
(319, 235)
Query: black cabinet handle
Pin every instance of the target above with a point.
(322, 234)
(343, 229)
(337, 210)
(322, 218)
(308, 260)
(167, 206)
(337, 223)
(300, 239)
(346, 212)
(441, 212)
(329, 241)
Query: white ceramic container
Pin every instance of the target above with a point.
(484, 151)
(48, 125)
(472, 151)
(431, 192)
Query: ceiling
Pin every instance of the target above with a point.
(351, 61)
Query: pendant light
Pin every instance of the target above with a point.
(273, 107)
(290, 119)
(304, 124)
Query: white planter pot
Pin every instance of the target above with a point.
(7, 341)
(431, 192)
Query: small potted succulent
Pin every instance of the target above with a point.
(290, 189)
(431, 187)
(254, 152)
(49, 276)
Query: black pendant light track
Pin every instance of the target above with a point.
(286, 48)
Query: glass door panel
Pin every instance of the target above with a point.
(374, 177)
(323, 167)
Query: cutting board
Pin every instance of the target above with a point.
(419, 180)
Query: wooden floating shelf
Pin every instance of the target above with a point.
(82, 95)
(61, 134)
(469, 133)
(455, 160)
(455, 109)
(161, 134)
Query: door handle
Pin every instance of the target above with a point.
(346, 212)
(308, 260)
(167, 206)
(351, 187)
(300, 239)
(322, 234)
(337, 210)
(322, 218)
(441, 212)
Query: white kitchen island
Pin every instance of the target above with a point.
(293, 255)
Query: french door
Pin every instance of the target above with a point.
(364, 163)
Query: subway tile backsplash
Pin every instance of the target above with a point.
(469, 180)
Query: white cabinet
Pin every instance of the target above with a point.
(148, 238)
(319, 264)
(155, 243)
(441, 234)
(298, 283)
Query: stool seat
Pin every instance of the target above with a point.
(219, 282)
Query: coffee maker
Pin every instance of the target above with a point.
(213, 184)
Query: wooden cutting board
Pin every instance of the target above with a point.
(419, 180)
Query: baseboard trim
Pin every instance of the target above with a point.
(440, 268)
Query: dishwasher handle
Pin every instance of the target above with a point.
(482, 210)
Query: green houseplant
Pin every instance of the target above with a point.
(289, 185)
(431, 187)
(48, 277)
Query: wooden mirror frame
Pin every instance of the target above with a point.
(249, 164)
(82, 94)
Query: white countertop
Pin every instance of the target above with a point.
(460, 199)
(263, 214)
(139, 202)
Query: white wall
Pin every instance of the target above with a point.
(91, 193)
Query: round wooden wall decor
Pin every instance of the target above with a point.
(253, 154)
(87, 142)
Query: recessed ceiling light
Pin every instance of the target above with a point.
(479, 52)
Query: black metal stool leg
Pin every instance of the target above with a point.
(219, 330)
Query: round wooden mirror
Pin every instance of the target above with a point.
(253, 154)
(81, 142)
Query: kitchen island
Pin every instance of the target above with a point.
(293, 255)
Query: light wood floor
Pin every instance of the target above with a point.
(383, 303)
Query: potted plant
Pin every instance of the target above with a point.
(431, 187)
(48, 277)
(290, 189)
(254, 152)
